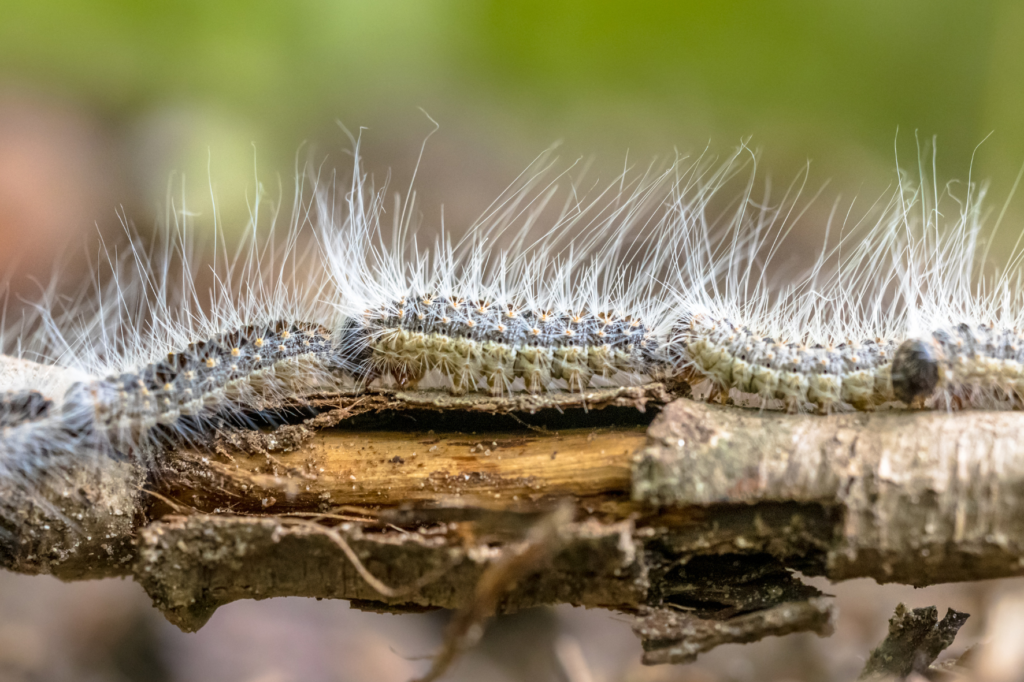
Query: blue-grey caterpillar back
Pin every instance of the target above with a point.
(205, 376)
(486, 342)
(850, 373)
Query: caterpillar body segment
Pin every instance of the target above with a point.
(232, 369)
(488, 344)
(731, 356)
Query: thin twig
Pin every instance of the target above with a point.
(466, 627)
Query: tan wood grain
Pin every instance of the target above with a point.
(388, 468)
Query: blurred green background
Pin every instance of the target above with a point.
(101, 101)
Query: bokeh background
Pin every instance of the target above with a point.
(105, 105)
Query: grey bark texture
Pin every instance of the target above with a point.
(919, 497)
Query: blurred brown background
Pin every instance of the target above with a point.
(105, 105)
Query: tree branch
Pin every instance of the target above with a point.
(694, 524)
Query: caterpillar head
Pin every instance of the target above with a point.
(915, 370)
(21, 406)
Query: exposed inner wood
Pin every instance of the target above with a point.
(493, 469)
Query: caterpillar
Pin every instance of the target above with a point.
(663, 274)
(580, 306)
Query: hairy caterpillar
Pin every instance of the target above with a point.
(661, 274)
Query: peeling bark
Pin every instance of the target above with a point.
(678, 637)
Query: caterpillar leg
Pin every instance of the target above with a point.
(714, 391)
(407, 378)
(499, 384)
(533, 364)
(717, 393)
(570, 363)
(461, 384)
